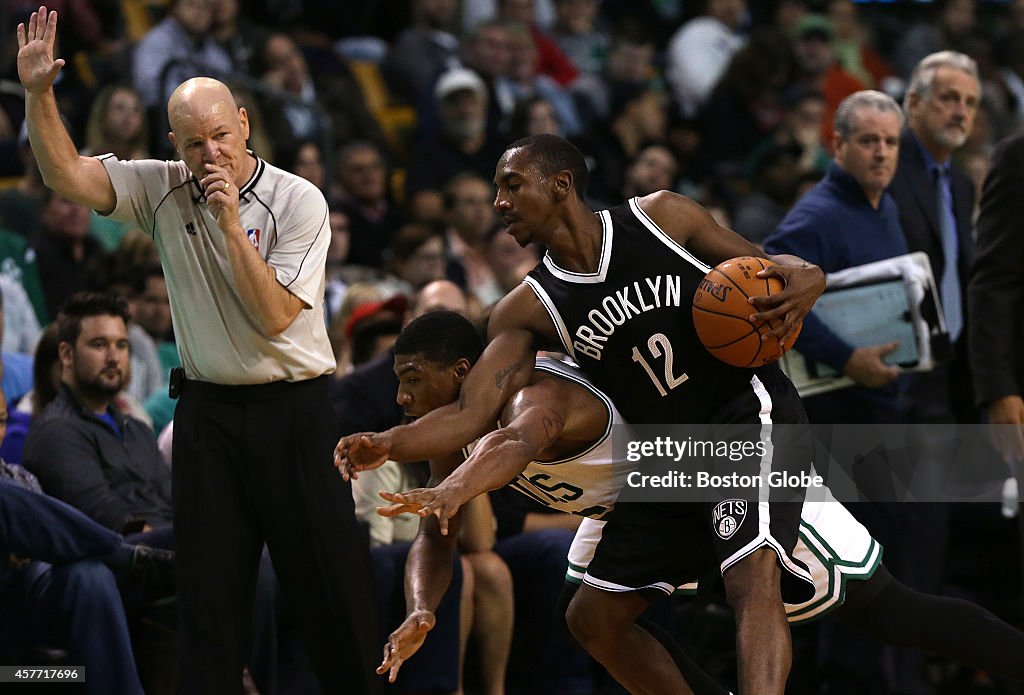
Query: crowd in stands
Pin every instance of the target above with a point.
(398, 112)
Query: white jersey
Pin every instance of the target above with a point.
(285, 218)
(585, 484)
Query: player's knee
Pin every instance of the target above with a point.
(580, 618)
(754, 578)
(594, 623)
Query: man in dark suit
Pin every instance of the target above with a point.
(996, 299)
(936, 202)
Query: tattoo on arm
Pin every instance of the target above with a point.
(502, 376)
(552, 426)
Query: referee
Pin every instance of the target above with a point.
(243, 246)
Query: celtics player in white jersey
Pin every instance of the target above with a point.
(554, 444)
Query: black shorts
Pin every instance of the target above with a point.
(662, 545)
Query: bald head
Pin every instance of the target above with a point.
(437, 295)
(197, 96)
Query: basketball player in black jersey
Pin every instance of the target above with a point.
(432, 355)
(614, 292)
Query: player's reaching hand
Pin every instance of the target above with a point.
(36, 67)
(405, 641)
(803, 284)
(362, 451)
(401, 503)
(443, 501)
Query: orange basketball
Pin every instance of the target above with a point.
(721, 313)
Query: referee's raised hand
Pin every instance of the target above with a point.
(36, 67)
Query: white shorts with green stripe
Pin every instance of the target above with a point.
(835, 547)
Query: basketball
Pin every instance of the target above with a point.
(721, 313)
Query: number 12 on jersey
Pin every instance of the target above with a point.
(659, 346)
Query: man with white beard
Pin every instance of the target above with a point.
(936, 198)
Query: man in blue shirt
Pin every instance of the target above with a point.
(85, 452)
(847, 220)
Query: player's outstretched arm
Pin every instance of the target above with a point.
(499, 457)
(504, 367)
(692, 226)
(82, 179)
(428, 573)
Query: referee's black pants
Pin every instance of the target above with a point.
(253, 464)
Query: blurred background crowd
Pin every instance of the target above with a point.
(398, 111)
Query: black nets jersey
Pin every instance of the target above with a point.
(630, 328)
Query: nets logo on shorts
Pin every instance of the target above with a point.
(728, 516)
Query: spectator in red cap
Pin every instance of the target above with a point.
(373, 327)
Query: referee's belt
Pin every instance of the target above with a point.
(180, 384)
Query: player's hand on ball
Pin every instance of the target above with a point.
(722, 313)
(36, 67)
(405, 641)
(801, 288)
